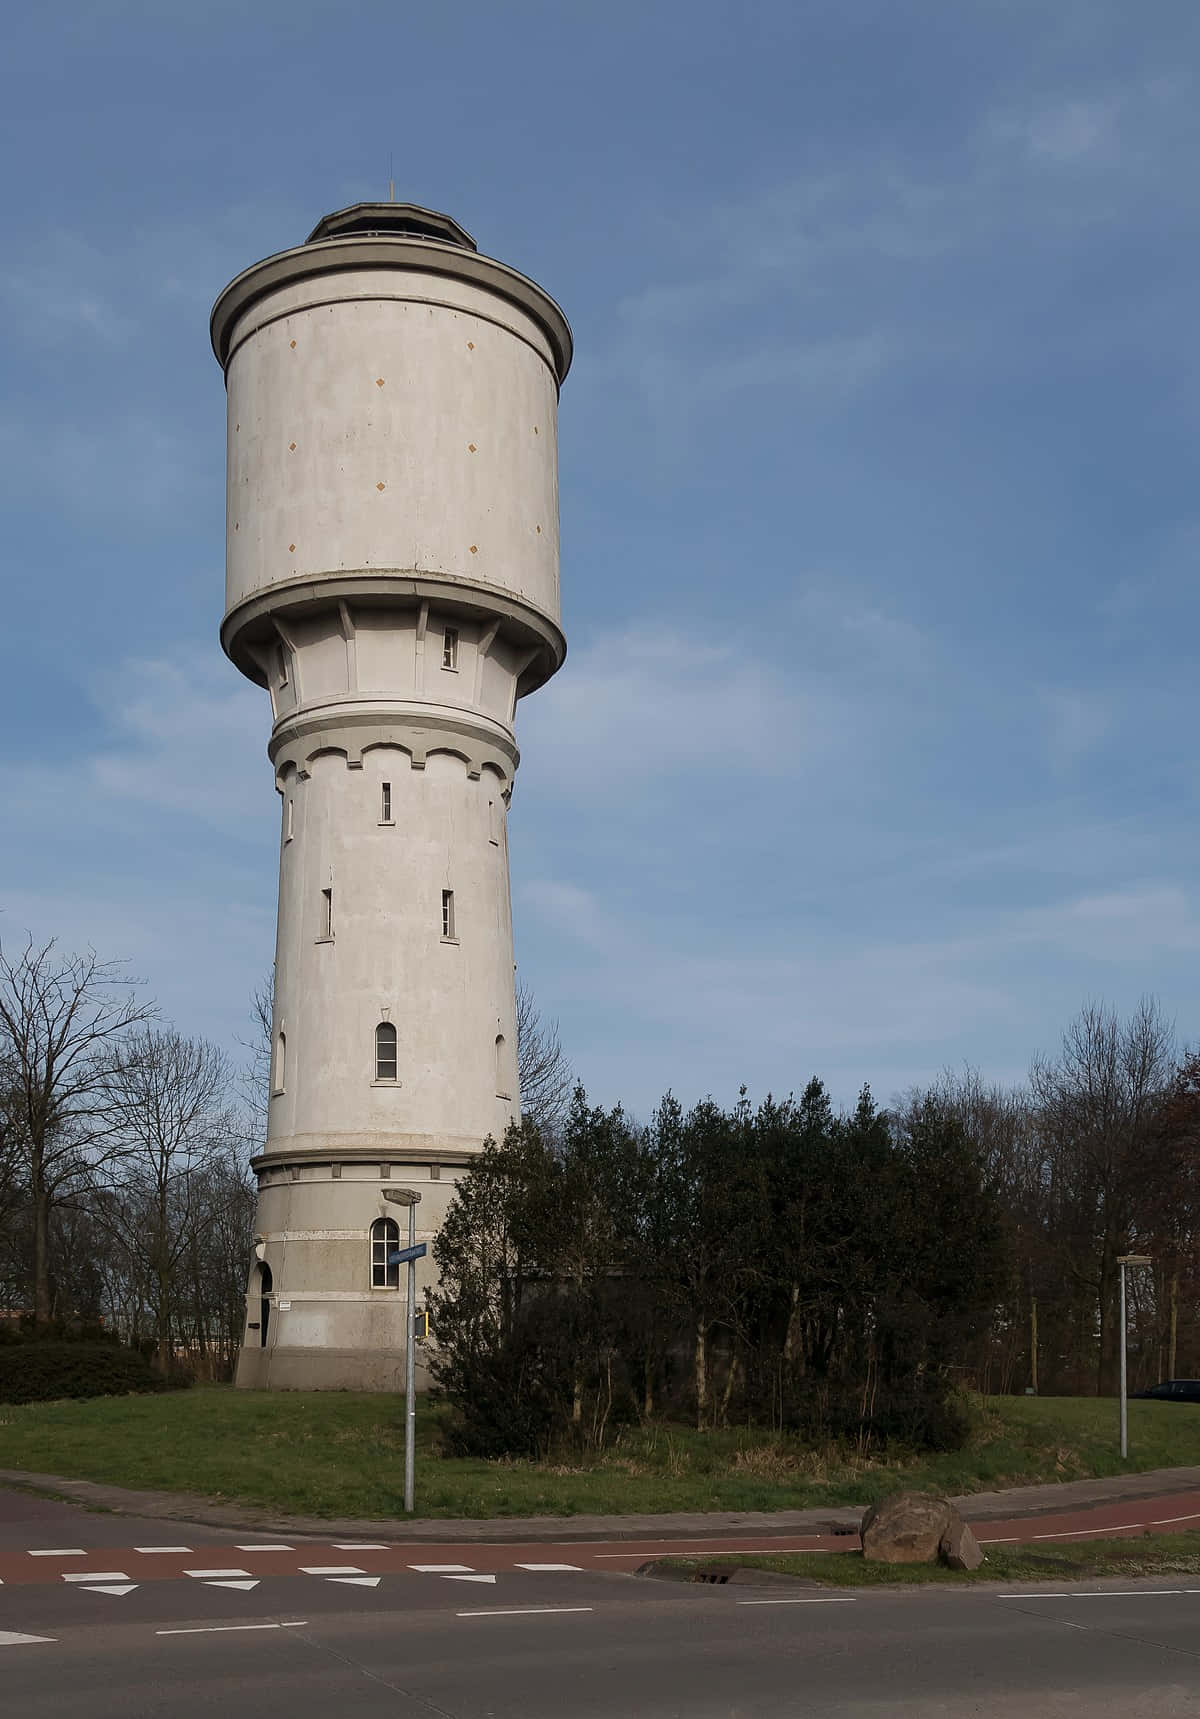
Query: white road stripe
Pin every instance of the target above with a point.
(1078, 1533)
(1103, 1594)
(9, 1638)
(61, 1552)
(824, 1600)
(110, 1588)
(96, 1576)
(526, 1612)
(441, 1569)
(203, 1575)
(448, 1578)
(537, 1567)
(360, 1546)
(149, 1549)
(357, 1581)
(331, 1570)
(1159, 1521)
(243, 1586)
(741, 1552)
(224, 1629)
(265, 1548)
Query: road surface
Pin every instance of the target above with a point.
(108, 1617)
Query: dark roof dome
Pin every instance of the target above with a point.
(390, 220)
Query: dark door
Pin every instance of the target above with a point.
(264, 1290)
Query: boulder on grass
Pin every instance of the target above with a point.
(906, 1529)
(958, 1547)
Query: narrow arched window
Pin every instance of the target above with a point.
(385, 1238)
(385, 1051)
(501, 1068)
(280, 1063)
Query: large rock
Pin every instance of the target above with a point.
(906, 1529)
(958, 1547)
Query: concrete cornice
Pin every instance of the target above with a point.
(410, 726)
(422, 255)
(252, 621)
(450, 1157)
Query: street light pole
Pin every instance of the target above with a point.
(411, 1198)
(1123, 1260)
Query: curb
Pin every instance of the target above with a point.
(1017, 1502)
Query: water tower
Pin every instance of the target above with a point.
(392, 581)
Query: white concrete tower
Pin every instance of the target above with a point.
(392, 579)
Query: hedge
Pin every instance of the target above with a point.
(46, 1372)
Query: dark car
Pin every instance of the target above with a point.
(1173, 1391)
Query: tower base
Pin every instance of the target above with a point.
(286, 1369)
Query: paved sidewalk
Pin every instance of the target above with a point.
(1015, 1503)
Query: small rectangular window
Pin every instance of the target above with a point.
(327, 913)
(385, 804)
(282, 665)
(291, 823)
(493, 823)
(450, 648)
(448, 913)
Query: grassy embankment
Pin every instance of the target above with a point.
(1163, 1555)
(326, 1454)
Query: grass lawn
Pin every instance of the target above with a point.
(342, 1453)
(1164, 1555)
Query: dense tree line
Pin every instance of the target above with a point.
(779, 1263)
(842, 1275)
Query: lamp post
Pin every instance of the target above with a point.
(411, 1198)
(1123, 1260)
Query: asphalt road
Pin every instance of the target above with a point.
(615, 1646)
(342, 1630)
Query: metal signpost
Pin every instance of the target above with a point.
(400, 1256)
(1123, 1260)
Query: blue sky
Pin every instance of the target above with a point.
(874, 750)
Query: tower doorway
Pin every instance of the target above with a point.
(264, 1302)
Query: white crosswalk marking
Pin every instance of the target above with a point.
(265, 1548)
(331, 1570)
(61, 1552)
(149, 1549)
(244, 1586)
(356, 1581)
(360, 1546)
(441, 1569)
(471, 1578)
(206, 1575)
(10, 1638)
(536, 1567)
(106, 1588)
(96, 1576)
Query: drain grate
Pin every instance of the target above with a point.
(715, 1576)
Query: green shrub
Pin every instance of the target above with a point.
(47, 1372)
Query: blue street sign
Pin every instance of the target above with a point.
(402, 1255)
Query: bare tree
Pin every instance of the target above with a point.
(547, 1080)
(169, 1098)
(61, 1018)
(1098, 1104)
(255, 1079)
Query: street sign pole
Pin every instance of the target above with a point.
(398, 1256)
(1125, 1405)
(1123, 1260)
(410, 1366)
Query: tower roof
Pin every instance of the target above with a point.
(399, 220)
